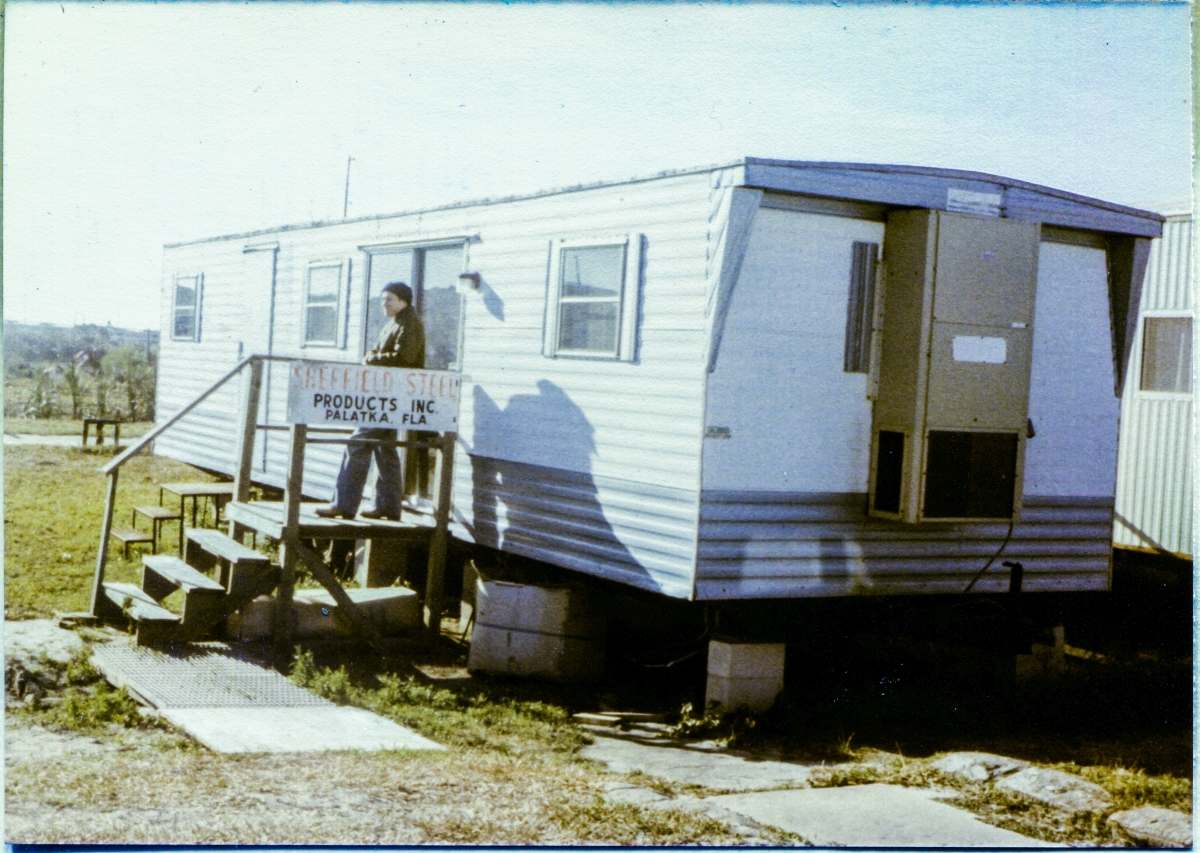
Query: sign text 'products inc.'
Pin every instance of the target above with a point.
(355, 395)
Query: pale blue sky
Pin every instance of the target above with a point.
(127, 126)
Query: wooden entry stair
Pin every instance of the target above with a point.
(240, 574)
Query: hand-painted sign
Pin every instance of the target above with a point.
(355, 395)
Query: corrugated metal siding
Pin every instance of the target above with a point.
(621, 530)
(631, 430)
(1155, 470)
(1168, 284)
(806, 544)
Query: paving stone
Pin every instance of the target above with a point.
(977, 766)
(699, 764)
(1154, 826)
(295, 729)
(752, 832)
(41, 649)
(1058, 789)
(871, 816)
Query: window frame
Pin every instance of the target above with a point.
(198, 278)
(340, 314)
(415, 279)
(1164, 314)
(627, 300)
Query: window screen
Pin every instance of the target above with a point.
(185, 323)
(385, 267)
(592, 297)
(860, 307)
(321, 304)
(1167, 354)
(589, 299)
(440, 305)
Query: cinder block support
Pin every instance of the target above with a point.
(1046, 661)
(379, 562)
(743, 675)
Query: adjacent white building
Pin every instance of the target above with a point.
(1155, 477)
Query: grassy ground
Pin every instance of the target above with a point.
(164, 792)
(65, 426)
(510, 776)
(54, 505)
(877, 707)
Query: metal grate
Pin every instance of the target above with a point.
(201, 675)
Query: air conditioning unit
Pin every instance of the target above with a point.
(952, 405)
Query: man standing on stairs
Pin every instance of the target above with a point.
(401, 344)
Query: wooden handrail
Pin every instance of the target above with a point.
(293, 551)
(157, 431)
(112, 469)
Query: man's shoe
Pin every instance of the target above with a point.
(332, 512)
(378, 513)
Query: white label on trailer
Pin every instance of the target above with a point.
(977, 349)
(967, 201)
(339, 394)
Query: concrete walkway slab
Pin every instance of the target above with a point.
(235, 705)
(871, 816)
(307, 729)
(709, 767)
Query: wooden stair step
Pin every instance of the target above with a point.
(158, 513)
(155, 625)
(129, 536)
(136, 602)
(219, 545)
(163, 572)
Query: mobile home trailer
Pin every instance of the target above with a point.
(767, 379)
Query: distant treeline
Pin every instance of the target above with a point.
(80, 371)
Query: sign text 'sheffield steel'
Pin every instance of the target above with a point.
(380, 397)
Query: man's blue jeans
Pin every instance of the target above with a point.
(352, 477)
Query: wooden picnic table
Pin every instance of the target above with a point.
(220, 493)
(100, 424)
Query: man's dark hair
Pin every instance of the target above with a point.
(400, 289)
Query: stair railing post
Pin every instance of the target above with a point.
(245, 455)
(289, 543)
(110, 502)
(436, 574)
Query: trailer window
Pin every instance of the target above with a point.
(432, 272)
(1167, 354)
(321, 303)
(185, 310)
(592, 306)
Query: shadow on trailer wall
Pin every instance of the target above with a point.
(529, 510)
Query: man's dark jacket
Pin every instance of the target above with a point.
(401, 342)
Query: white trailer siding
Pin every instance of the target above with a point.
(602, 465)
(796, 421)
(591, 464)
(784, 507)
(1155, 485)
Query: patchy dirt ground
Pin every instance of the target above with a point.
(156, 788)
